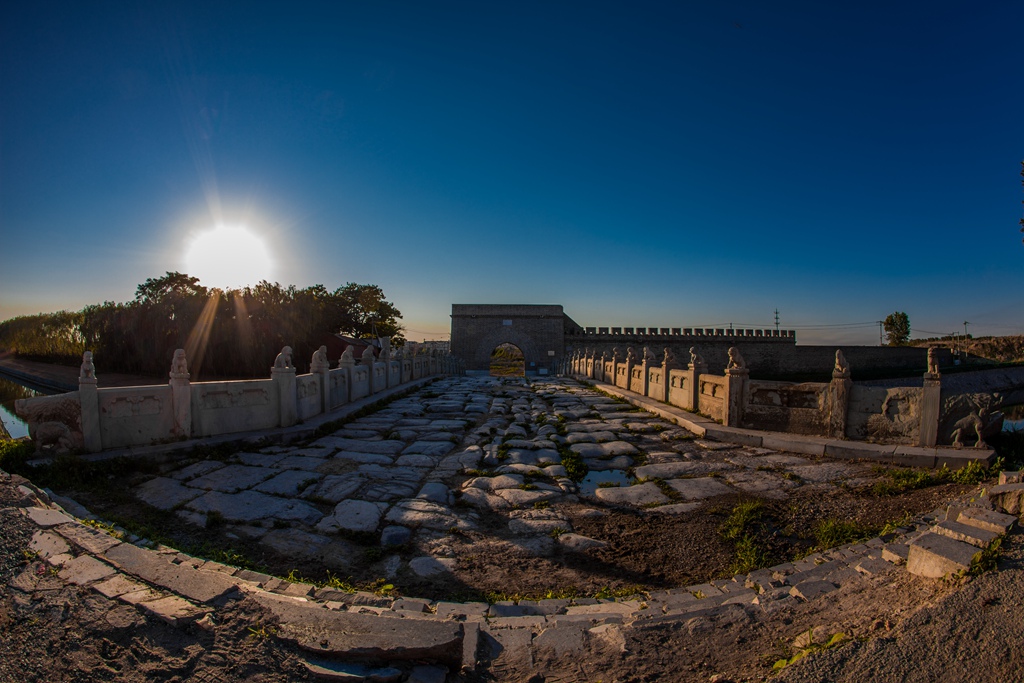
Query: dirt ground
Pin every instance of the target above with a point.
(898, 627)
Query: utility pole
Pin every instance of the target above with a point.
(880, 333)
(776, 320)
(965, 330)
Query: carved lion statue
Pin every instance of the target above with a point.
(284, 359)
(736, 359)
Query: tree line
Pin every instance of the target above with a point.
(226, 333)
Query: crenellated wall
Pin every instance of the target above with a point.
(95, 419)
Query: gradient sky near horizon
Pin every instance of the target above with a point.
(674, 164)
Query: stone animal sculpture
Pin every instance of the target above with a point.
(88, 370)
(842, 368)
(975, 422)
(320, 362)
(695, 358)
(284, 359)
(736, 361)
(179, 365)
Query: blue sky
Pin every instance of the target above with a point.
(670, 164)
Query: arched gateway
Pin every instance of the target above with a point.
(538, 330)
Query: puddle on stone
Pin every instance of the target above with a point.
(591, 482)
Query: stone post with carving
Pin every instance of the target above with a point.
(630, 362)
(283, 374)
(181, 395)
(931, 404)
(347, 362)
(695, 369)
(736, 378)
(368, 360)
(645, 378)
(839, 390)
(88, 395)
(320, 367)
(668, 364)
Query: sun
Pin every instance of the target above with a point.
(228, 256)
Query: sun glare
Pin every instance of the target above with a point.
(228, 256)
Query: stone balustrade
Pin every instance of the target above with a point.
(93, 419)
(909, 415)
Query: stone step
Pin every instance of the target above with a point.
(934, 556)
(966, 533)
(987, 519)
(1008, 498)
(348, 636)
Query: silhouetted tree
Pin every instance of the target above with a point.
(232, 333)
(897, 328)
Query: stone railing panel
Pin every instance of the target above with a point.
(880, 414)
(226, 407)
(308, 399)
(133, 415)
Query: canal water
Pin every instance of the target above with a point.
(11, 391)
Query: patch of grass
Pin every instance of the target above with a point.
(749, 556)
(528, 487)
(987, 559)
(106, 527)
(541, 505)
(575, 466)
(607, 593)
(608, 485)
(556, 532)
(214, 519)
(741, 519)
(502, 453)
(900, 480)
(14, 455)
(832, 532)
(666, 489)
(836, 639)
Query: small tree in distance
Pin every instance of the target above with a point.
(897, 328)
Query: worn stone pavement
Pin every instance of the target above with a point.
(428, 463)
(486, 444)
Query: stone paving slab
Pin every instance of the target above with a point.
(89, 539)
(165, 494)
(639, 495)
(85, 569)
(345, 635)
(231, 478)
(289, 482)
(698, 489)
(46, 517)
(196, 469)
(200, 586)
(249, 506)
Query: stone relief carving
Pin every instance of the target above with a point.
(284, 359)
(123, 407)
(54, 422)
